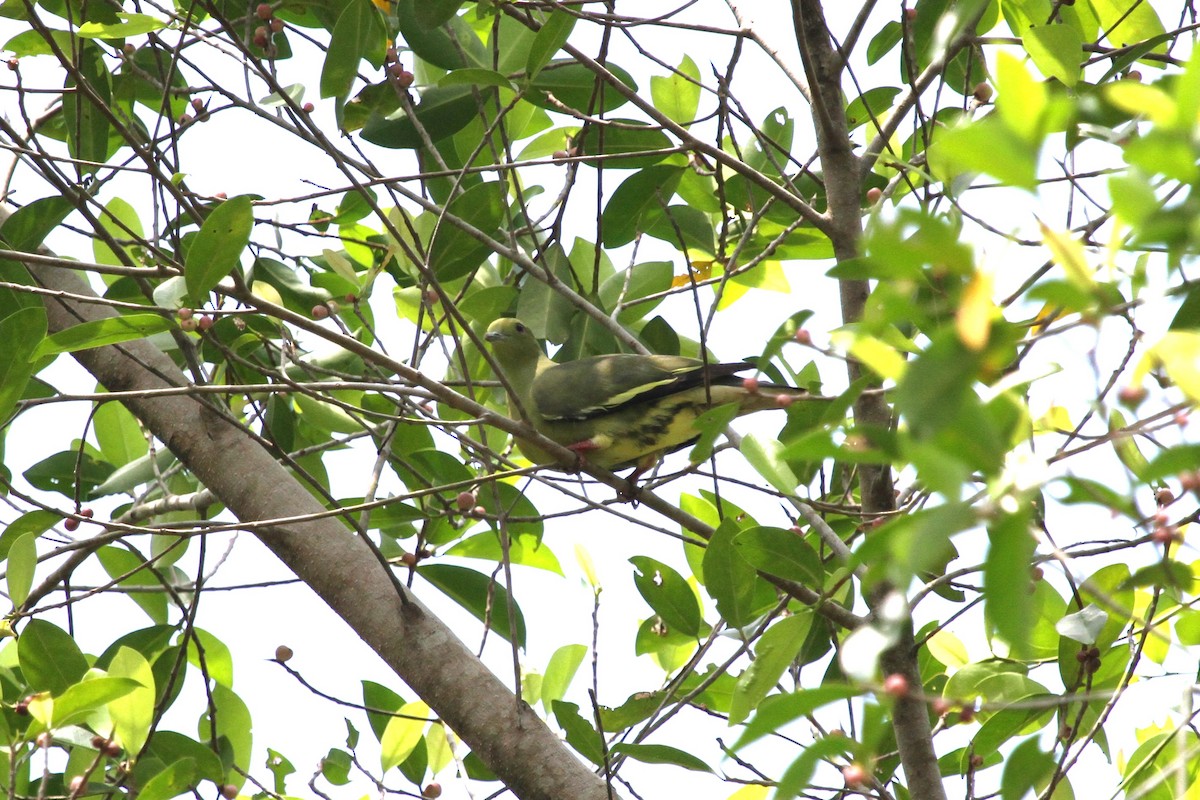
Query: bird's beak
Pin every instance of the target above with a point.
(492, 336)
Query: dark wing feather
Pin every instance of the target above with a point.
(593, 387)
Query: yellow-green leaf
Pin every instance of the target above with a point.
(132, 713)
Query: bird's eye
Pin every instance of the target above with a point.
(520, 328)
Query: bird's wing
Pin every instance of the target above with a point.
(593, 387)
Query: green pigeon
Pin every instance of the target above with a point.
(623, 410)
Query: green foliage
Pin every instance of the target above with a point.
(999, 199)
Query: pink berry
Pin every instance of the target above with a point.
(1131, 396)
(874, 194)
(896, 685)
(320, 311)
(263, 11)
(855, 775)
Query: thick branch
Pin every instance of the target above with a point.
(843, 185)
(340, 568)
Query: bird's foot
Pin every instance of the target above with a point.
(581, 449)
(630, 493)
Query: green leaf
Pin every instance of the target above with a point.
(1126, 446)
(774, 652)
(280, 768)
(985, 146)
(574, 85)
(782, 553)
(1173, 461)
(443, 111)
(118, 434)
(479, 594)
(580, 733)
(22, 333)
(35, 522)
(1024, 769)
(661, 754)
(335, 767)
(687, 227)
(29, 225)
(175, 779)
(766, 455)
(86, 118)
(132, 713)
(1008, 603)
(68, 474)
(403, 733)
(449, 46)
(435, 13)
(50, 660)
(218, 661)
(131, 571)
(525, 549)
(81, 699)
(711, 424)
(357, 33)
(233, 724)
(559, 672)
(453, 252)
(665, 591)
(22, 561)
(1128, 23)
(1056, 50)
(379, 698)
(101, 332)
(624, 146)
(729, 578)
(136, 473)
(647, 190)
(640, 280)
(476, 76)
(915, 544)
(778, 710)
(549, 40)
(882, 43)
(130, 25)
(870, 107)
(218, 246)
(678, 95)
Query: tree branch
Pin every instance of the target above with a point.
(843, 186)
(505, 732)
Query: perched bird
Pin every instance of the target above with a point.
(623, 410)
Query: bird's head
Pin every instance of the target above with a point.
(512, 342)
